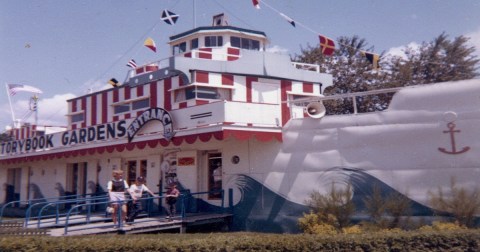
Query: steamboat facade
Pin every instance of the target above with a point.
(221, 114)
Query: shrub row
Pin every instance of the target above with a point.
(457, 240)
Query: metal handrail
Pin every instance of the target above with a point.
(58, 203)
(46, 204)
(88, 205)
(183, 197)
(44, 200)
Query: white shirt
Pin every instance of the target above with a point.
(137, 191)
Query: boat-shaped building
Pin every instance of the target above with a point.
(220, 114)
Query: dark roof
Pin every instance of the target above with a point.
(213, 28)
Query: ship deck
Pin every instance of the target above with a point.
(142, 225)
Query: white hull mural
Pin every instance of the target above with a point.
(427, 137)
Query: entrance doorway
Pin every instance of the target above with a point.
(14, 178)
(136, 168)
(215, 175)
(76, 179)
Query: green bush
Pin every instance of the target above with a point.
(334, 208)
(462, 203)
(457, 240)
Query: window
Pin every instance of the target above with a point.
(235, 42)
(200, 92)
(206, 93)
(133, 171)
(180, 48)
(213, 41)
(131, 106)
(118, 109)
(144, 103)
(77, 118)
(194, 44)
(245, 43)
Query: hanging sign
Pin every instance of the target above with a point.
(158, 114)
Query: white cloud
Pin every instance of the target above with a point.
(277, 49)
(400, 51)
(52, 111)
(94, 86)
(475, 40)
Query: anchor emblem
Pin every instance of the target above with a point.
(452, 131)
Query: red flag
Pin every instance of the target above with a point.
(256, 3)
(150, 44)
(326, 45)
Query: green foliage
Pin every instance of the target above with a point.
(387, 211)
(4, 137)
(313, 223)
(463, 204)
(436, 61)
(355, 229)
(443, 226)
(458, 240)
(334, 208)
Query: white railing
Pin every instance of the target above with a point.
(162, 63)
(305, 66)
(303, 102)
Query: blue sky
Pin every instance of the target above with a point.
(65, 47)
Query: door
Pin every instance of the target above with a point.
(14, 178)
(76, 179)
(136, 168)
(215, 175)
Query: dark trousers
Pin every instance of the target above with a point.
(134, 208)
(171, 208)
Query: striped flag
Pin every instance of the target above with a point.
(132, 64)
(150, 44)
(14, 88)
(169, 17)
(288, 19)
(372, 58)
(256, 3)
(327, 46)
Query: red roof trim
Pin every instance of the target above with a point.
(189, 139)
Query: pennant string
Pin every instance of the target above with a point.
(263, 2)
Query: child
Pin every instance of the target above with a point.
(171, 199)
(116, 191)
(136, 190)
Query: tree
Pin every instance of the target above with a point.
(437, 61)
(351, 73)
(4, 137)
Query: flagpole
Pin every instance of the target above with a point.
(194, 16)
(35, 107)
(10, 102)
